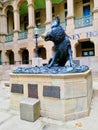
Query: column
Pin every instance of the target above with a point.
(31, 15)
(31, 20)
(1, 31)
(16, 20)
(16, 24)
(4, 26)
(70, 8)
(17, 54)
(70, 17)
(48, 13)
(0, 20)
(95, 15)
(95, 5)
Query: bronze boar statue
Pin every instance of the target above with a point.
(62, 46)
(62, 54)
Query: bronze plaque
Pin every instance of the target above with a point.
(33, 90)
(17, 88)
(51, 91)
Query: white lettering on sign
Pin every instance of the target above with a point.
(86, 35)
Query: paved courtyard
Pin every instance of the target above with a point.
(10, 119)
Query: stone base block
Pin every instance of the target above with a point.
(29, 109)
(36, 62)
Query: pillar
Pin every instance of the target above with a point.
(3, 26)
(48, 13)
(31, 20)
(16, 24)
(95, 15)
(1, 22)
(70, 17)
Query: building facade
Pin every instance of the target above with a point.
(79, 18)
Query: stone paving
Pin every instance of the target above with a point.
(10, 119)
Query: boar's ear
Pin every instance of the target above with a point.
(58, 20)
(55, 22)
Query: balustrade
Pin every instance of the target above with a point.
(83, 21)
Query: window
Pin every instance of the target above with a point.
(91, 53)
(37, 21)
(25, 26)
(88, 53)
(65, 6)
(25, 22)
(87, 48)
(26, 18)
(65, 14)
(37, 14)
(85, 1)
(38, 17)
(65, 9)
(86, 10)
(53, 11)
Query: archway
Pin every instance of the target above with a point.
(23, 10)
(25, 56)
(42, 52)
(10, 55)
(10, 21)
(85, 48)
(9, 25)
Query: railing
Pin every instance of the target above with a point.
(9, 38)
(83, 21)
(23, 35)
(16, 62)
(41, 30)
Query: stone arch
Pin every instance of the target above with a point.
(22, 6)
(9, 19)
(42, 52)
(24, 55)
(19, 2)
(5, 9)
(10, 56)
(85, 47)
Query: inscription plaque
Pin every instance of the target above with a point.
(33, 90)
(17, 88)
(51, 91)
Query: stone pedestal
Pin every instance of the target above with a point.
(62, 96)
(29, 109)
(36, 62)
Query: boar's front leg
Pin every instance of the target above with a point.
(51, 63)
